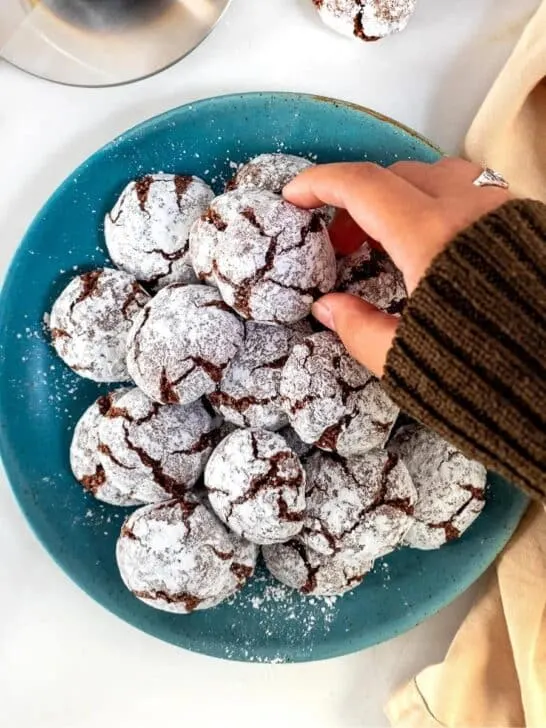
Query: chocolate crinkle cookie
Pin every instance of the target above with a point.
(256, 485)
(450, 487)
(366, 20)
(269, 259)
(248, 393)
(147, 231)
(363, 505)
(182, 342)
(371, 275)
(269, 172)
(154, 452)
(273, 172)
(90, 320)
(178, 557)
(299, 567)
(332, 401)
(84, 453)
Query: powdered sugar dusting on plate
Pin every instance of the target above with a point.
(280, 608)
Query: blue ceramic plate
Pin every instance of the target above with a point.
(40, 399)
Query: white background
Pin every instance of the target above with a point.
(64, 661)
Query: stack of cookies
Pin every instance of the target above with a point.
(244, 425)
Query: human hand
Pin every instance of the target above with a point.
(411, 209)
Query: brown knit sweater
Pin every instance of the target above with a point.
(469, 358)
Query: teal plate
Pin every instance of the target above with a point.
(40, 399)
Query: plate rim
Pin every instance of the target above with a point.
(339, 647)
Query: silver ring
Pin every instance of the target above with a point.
(490, 178)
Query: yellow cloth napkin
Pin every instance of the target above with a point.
(509, 131)
(495, 671)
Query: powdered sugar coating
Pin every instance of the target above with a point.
(90, 321)
(181, 343)
(147, 231)
(296, 565)
(332, 401)
(269, 259)
(154, 452)
(84, 454)
(273, 172)
(450, 487)
(370, 274)
(367, 20)
(256, 486)
(269, 172)
(178, 557)
(248, 394)
(363, 505)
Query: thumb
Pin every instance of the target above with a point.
(366, 331)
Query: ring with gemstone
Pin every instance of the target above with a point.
(490, 178)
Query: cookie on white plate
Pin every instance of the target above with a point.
(366, 20)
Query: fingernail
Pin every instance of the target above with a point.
(322, 312)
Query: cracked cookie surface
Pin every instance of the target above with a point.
(154, 452)
(371, 275)
(147, 231)
(84, 453)
(367, 20)
(256, 485)
(296, 565)
(363, 505)
(248, 393)
(273, 172)
(178, 557)
(450, 487)
(182, 342)
(269, 172)
(332, 401)
(91, 319)
(269, 259)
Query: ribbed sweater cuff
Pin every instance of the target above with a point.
(469, 357)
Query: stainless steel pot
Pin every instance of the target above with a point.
(102, 42)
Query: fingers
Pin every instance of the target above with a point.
(449, 178)
(378, 200)
(438, 179)
(366, 332)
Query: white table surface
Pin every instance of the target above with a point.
(64, 661)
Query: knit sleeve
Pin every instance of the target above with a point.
(469, 357)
